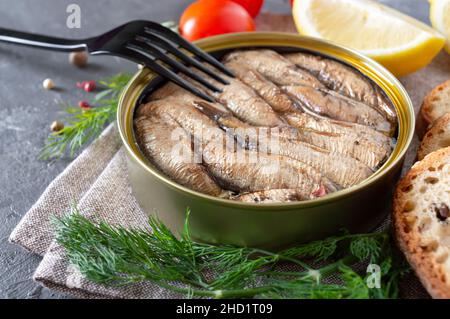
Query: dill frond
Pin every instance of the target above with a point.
(113, 255)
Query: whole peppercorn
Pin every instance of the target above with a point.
(48, 84)
(78, 59)
(84, 105)
(56, 126)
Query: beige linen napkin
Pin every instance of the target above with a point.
(98, 182)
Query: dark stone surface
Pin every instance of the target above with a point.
(26, 110)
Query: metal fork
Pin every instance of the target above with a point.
(144, 42)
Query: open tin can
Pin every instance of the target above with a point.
(215, 220)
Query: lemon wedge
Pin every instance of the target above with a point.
(440, 18)
(402, 44)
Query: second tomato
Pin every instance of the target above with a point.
(205, 18)
(252, 6)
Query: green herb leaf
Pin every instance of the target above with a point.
(365, 247)
(320, 250)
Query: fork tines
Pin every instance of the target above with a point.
(157, 42)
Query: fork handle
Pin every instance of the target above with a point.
(41, 41)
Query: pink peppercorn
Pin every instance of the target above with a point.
(89, 86)
(84, 105)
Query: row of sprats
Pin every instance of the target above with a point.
(287, 128)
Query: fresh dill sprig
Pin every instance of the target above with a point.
(82, 125)
(114, 255)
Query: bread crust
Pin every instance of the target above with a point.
(432, 275)
(437, 137)
(429, 112)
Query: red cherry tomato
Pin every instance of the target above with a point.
(252, 6)
(205, 18)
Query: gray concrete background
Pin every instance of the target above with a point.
(26, 110)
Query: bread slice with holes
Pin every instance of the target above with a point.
(421, 220)
(435, 105)
(436, 138)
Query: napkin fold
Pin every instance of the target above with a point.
(98, 182)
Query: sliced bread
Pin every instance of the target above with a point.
(421, 219)
(435, 104)
(436, 138)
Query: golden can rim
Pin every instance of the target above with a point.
(376, 72)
